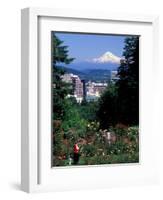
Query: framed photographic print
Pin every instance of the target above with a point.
(86, 94)
(95, 99)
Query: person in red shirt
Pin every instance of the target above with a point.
(76, 154)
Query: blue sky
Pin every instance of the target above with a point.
(83, 47)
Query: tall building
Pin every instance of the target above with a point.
(67, 78)
(77, 84)
(78, 88)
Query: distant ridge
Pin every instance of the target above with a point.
(97, 75)
(81, 66)
(73, 71)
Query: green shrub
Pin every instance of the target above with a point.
(89, 150)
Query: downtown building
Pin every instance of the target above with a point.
(94, 90)
(78, 85)
(89, 91)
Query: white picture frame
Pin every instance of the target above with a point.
(36, 171)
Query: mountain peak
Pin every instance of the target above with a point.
(108, 53)
(107, 57)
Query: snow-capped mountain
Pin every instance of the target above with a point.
(108, 61)
(107, 57)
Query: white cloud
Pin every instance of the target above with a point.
(107, 57)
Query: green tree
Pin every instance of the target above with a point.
(61, 89)
(120, 101)
(107, 112)
(128, 83)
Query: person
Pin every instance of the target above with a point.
(76, 154)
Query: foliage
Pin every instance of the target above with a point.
(89, 150)
(60, 88)
(88, 110)
(133, 133)
(128, 83)
(59, 93)
(107, 112)
(73, 124)
(124, 150)
(120, 101)
(120, 130)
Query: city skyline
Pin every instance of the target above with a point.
(88, 91)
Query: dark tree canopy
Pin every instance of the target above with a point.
(60, 89)
(107, 113)
(120, 101)
(128, 83)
